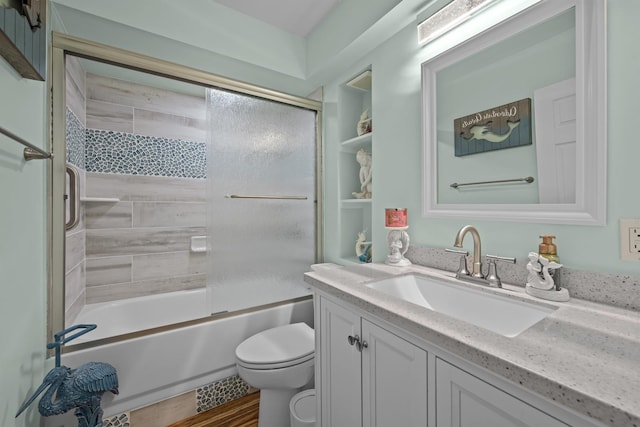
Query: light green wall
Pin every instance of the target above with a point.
(272, 68)
(207, 25)
(22, 246)
(397, 154)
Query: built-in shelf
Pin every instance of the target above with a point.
(362, 81)
(354, 144)
(355, 202)
(99, 199)
(354, 215)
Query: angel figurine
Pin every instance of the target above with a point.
(364, 159)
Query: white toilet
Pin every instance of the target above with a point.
(280, 362)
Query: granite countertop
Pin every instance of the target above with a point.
(584, 355)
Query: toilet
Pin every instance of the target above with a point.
(279, 362)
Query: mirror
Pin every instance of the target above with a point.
(514, 120)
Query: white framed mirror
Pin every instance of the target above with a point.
(514, 120)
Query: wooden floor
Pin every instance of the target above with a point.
(241, 412)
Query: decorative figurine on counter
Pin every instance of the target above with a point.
(363, 248)
(364, 124)
(543, 279)
(81, 388)
(396, 221)
(364, 159)
(398, 241)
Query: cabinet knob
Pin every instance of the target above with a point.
(353, 339)
(362, 345)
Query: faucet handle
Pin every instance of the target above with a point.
(501, 258)
(462, 269)
(492, 276)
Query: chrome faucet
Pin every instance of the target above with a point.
(475, 275)
(476, 270)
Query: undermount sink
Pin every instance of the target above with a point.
(501, 314)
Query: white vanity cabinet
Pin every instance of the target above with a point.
(374, 378)
(379, 378)
(463, 400)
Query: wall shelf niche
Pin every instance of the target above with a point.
(354, 98)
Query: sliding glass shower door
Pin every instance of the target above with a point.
(261, 179)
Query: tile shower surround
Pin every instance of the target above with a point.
(144, 146)
(140, 245)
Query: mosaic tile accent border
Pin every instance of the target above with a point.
(75, 139)
(219, 392)
(121, 420)
(127, 153)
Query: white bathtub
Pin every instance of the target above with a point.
(136, 314)
(158, 366)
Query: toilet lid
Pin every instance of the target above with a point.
(277, 345)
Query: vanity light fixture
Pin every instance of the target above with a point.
(448, 17)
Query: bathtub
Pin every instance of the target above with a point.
(155, 367)
(140, 313)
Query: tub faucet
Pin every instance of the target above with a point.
(476, 270)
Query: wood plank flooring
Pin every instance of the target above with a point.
(242, 412)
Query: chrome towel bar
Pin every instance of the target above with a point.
(31, 152)
(261, 196)
(528, 180)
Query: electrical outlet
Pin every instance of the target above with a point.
(634, 240)
(630, 239)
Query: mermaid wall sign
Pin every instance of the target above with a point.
(501, 127)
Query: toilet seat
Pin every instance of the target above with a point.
(279, 347)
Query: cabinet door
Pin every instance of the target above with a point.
(462, 400)
(394, 380)
(340, 367)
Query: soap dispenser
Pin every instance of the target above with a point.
(548, 249)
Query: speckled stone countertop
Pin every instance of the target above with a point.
(584, 355)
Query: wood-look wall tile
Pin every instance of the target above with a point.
(74, 249)
(74, 286)
(75, 87)
(121, 241)
(108, 116)
(107, 270)
(115, 292)
(145, 188)
(108, 215)
(164, 125)
(157, 266)
(166, 412)
(152, 98)
(169, 214)
(73, 309)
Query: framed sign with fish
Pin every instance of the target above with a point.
(501, 127)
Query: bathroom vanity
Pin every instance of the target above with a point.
(385, 359)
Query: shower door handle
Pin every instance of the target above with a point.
(73, 197)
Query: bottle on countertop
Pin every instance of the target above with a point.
(548, 249)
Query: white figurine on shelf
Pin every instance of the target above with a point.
(364, 159)
(364, 124)
(540, 281)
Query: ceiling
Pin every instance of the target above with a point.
(294, 16)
